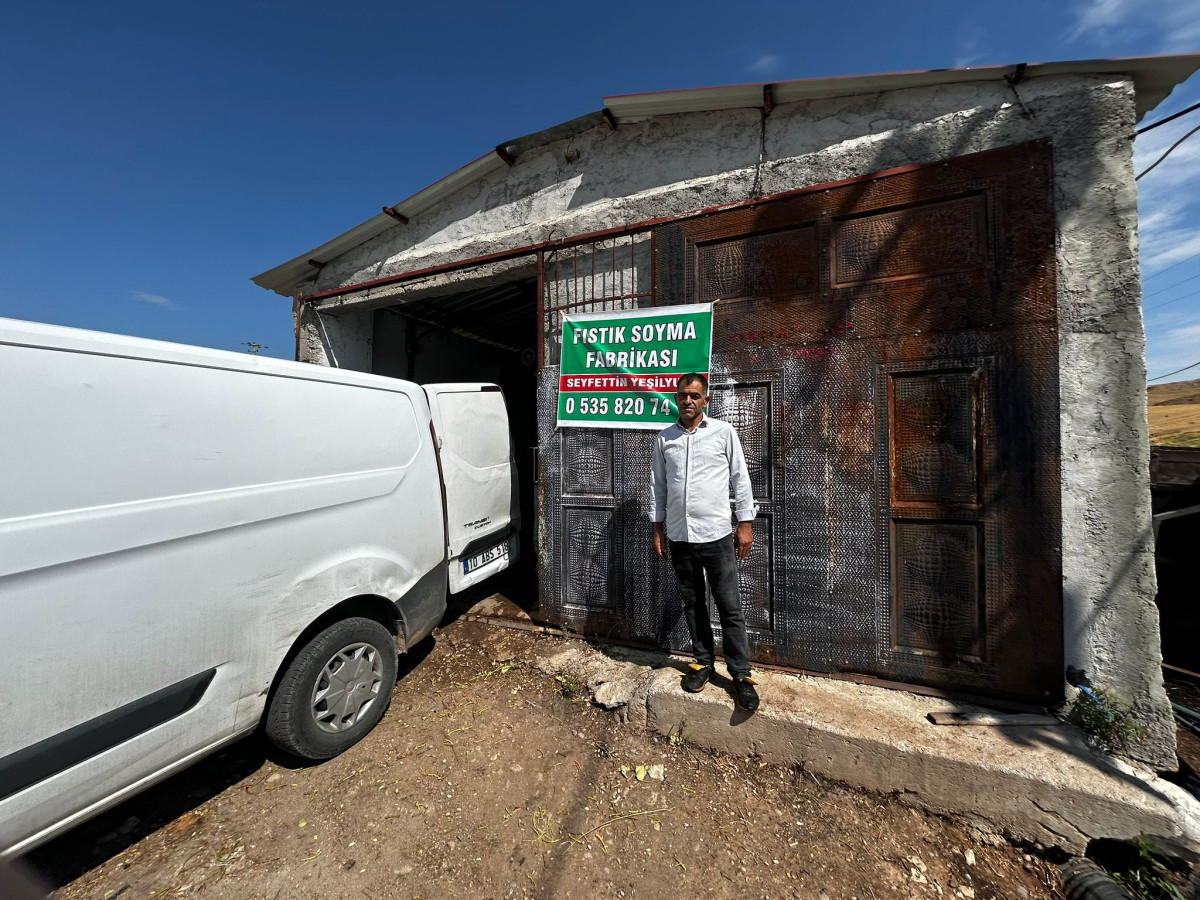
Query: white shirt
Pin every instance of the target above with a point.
(690, 474)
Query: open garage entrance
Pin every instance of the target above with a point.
(484, 334)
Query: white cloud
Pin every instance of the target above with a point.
(1097, 18)
(155, 300)
(1169, 195)
(1175, 25)
(1182, 23)
(969, 46)
(1177, 245)
(764, 64)
(1173, 340)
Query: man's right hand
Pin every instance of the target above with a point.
(660, 541)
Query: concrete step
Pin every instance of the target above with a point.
(1036, 783)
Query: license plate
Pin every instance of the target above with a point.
(482, 559)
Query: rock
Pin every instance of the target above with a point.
(657, 771)
(615, 694)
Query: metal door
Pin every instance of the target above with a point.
(596, 573)
(887, 350)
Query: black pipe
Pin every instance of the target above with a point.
(1082, 879)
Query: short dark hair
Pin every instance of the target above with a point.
(689, 377)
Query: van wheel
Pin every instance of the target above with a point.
(334, 691)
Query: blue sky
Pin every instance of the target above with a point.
(155, 156)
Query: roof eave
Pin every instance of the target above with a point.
(1154, 78)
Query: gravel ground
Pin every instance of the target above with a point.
(489, 779)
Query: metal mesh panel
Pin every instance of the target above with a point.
(616, 273)
(747, 407)
(745, 400)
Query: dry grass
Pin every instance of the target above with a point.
(1175, 414)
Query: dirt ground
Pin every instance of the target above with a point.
(490, 779)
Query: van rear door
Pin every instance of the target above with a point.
(479, 478)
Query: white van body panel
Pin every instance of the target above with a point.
(471, 423)
(174, 516)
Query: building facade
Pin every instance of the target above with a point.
(927, 332)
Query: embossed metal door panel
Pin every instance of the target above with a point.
(887, 351)
(596, 573)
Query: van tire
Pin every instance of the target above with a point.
(299, 720)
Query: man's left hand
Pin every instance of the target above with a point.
(743, 539)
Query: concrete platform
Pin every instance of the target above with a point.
(1041, 784)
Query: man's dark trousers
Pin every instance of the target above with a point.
(719, 560)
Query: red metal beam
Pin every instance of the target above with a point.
(541, 309)
(403, 220)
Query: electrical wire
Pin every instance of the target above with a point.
(1168, 153)
(1172, 300)
(1175, 285)
(1176, 372)
(1169, 268)
(1170, 118)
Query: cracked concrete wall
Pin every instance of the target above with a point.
(672, 165)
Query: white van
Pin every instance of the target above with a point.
(193, 541)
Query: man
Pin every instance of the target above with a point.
(693, 463)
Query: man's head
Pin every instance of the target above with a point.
(691, 395)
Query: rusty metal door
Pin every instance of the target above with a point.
(887, 350)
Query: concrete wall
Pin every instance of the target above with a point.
(675, 164)
(342, 339)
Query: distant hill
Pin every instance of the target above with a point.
(1175, 414)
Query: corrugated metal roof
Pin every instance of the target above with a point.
(1154, 78)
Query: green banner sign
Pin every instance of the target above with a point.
(619, 369)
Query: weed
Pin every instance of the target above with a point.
(568, 686)
(1107, 720)
(678, 739)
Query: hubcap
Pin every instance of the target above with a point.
(346, 688)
